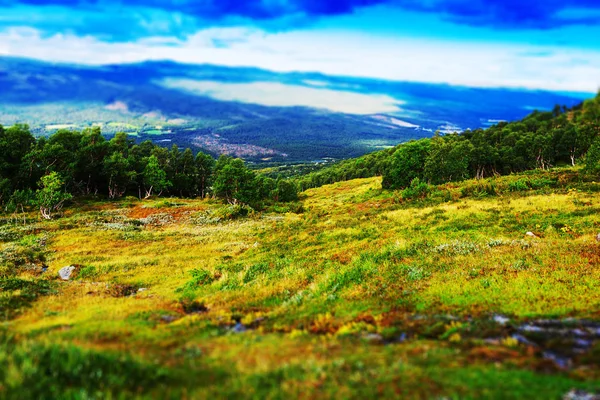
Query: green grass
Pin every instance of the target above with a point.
(181, 298)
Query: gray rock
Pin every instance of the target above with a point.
(501, 319)
(373, 338)
(238, 328)
(575, 394)
(66, 272)
(531, 234)
(168, 318)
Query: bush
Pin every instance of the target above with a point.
(520, 185)
(417, 189)
(232, 212)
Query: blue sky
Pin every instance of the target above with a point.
(550, 44)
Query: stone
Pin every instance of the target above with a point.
(501, 319)
(581, 395)
(531, 234)
(373, 338)
(238, 328)
(598, 238)
(65, 273)
(168, 318)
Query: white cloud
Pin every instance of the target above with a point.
(335, 53)
(282, 95)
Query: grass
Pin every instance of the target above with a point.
(313, 303)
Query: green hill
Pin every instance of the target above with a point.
(362, 292)
(541, 140)
(468, 269)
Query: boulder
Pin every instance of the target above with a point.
(575, 394)
(531, 234)
(65, 273)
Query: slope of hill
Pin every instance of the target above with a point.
(540, 140)
(360, 293)
(250, 113)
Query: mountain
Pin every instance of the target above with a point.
(251, 113)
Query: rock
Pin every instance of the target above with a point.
(501, 319)
(66, 272)
(142, 289)
(373, 338)
(238, 328)
(575, 394)
(168, 318)
(531, 234)
(598, 238)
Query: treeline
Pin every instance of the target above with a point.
(540, 140)
(47, 171)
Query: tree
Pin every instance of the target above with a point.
(592, 158)
(120, 143)
(92, 151)
(234, 182)
(118, 174)
(186, 174)
(155, 178)
(285, 191)
(448, 159)
(15, 143)
(205, 166)
(51, 196)
(406, 164)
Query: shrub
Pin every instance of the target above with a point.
(417, 189)
(520, 185)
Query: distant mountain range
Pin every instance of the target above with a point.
(251, 113)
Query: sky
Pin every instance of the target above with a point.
(546, 44)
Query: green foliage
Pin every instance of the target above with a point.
(117, 171)
(50, 197)
(285, 191)
(234, 182)
(592, 159)
(54, 371)
(17, 294)
(406, 164)
(448, 159)
(155, 178)
(417, 189)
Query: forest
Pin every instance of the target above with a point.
(541, 140)
(47, 172)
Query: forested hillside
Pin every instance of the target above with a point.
(541, 140)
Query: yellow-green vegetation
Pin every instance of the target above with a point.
(353, 292)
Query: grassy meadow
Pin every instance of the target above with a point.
(352, 292)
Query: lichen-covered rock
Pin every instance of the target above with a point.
(65, 273)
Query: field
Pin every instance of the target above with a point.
(353, 292)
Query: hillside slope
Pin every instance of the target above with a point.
(360, 293)
(540, 140)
